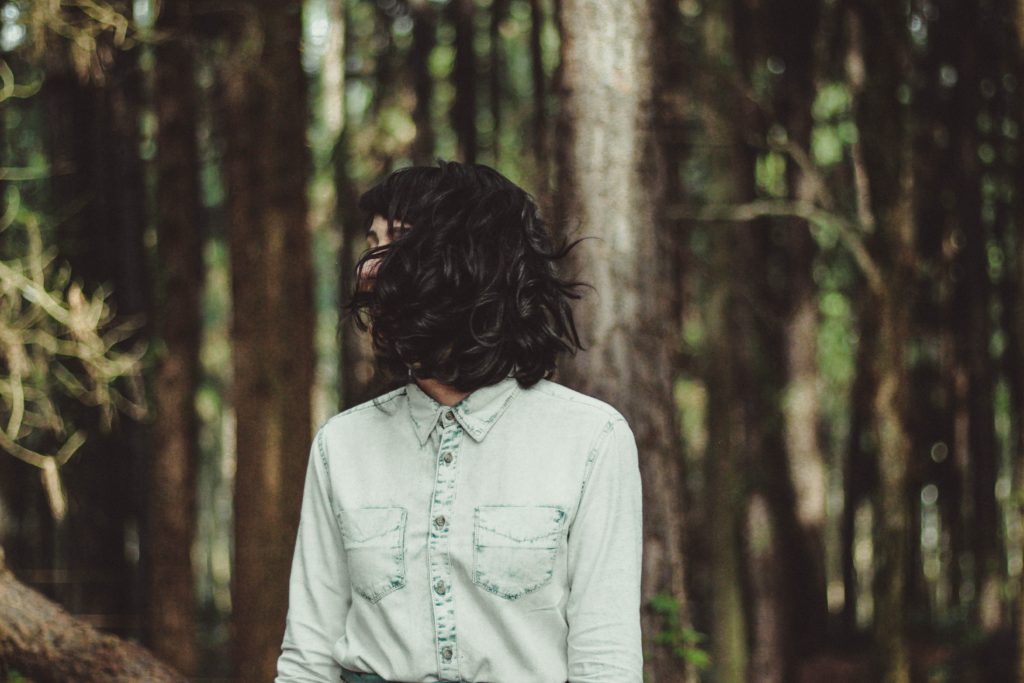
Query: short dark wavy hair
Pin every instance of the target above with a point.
(469, 293)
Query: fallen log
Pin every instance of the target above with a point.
(43, 642)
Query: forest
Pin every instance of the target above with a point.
(809, 304)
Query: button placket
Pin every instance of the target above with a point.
(438, 545)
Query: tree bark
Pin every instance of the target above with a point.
(860, 462)
(424, 38)
(941, 423)
(463, 111)
(266, 162)
(612, 184)
(878, 63)
(359, 375)
(170, 613)
(729, 435)
(539, 123)
(496, 74)
(46, 644)
(802, 517)
(98, 194)
(766, 661)
(972, 297)
(1015, 61)
(737, 536)
(787, 458)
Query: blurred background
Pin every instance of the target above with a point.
(809, 304)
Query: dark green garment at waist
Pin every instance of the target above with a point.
(350, 676)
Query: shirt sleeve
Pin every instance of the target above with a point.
(318, 589)
(605, 550)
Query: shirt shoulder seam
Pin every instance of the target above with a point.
(599, 441)
(607, 410)
(372, 403)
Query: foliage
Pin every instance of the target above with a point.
(56, 341)
(86, 29)
(684, 641)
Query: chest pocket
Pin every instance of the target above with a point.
(515, 547)
(374, 540)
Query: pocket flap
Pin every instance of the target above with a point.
(520, 525)
(363, 524)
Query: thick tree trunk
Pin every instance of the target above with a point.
(46, 644)
(613, 181)
(172, 476)
(266, 161)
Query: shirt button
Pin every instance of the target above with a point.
(439, 521)
(439, 587)
(447, 457)
(449, 415)
(446, 652)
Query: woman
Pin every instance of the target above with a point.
(478, 522)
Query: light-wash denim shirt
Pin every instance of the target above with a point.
(498, 540)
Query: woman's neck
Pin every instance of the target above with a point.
(442, 393)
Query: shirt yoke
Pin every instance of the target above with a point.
(586, 402)
(376, 402)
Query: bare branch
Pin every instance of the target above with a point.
(849, 232)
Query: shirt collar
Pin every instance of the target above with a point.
(477, 412)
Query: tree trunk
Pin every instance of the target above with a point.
(940, 434)
(496, 74)
(767, 663)
(802, 520)
(613, 181)
(171, 503)
(738, 536)
(463, 112)
(424, 38)
(359, 376)
(266, 161)
(539, 127)
(788, 459)
(860, 465)
(99, 196)
(1015, 61)
(729, 435)
(46, 644)
(972, 301)
(878, 64)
